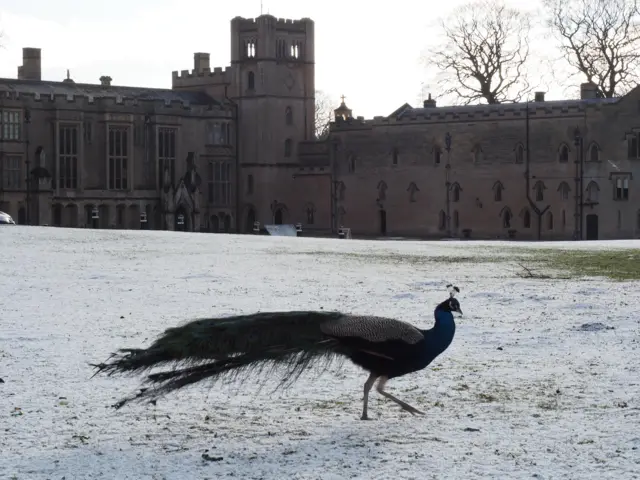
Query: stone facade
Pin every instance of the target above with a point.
(225, 148)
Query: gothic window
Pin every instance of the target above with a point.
(287, 147)
(632, 146)
(455, 192)
(351, 161)
(594, 153)
(250, 48)
(621, 191)
(288, 116)
(437, 155)
(549, 221)
(251, 80)
(478, 154)
(394, 156)
(564, 190)
(506, 217)
(519, 153)
(310, 211)
(442, 220)
(413, 188)
(539, 188)
(593, 192)
(497, 191)
(563, 154)
(526, 218)
(382, 190)
(281, 48)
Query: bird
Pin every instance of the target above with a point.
(285, 344)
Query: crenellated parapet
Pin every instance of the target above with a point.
(476, 113)
(252, 24)
(201, 77)
(58, 95)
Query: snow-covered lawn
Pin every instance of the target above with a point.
(522, 392)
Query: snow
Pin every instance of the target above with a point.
(522, 392)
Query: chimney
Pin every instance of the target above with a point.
(31, 68)
(105, 81)
(539, 96)
(588, 91)
(201, 62)
(429, 103)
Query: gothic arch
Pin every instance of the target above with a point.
(593, 152)
(525, 214)
(497, 188)
(593, 191)
(539, 187)
(564, 190)
(519, 152)
(412, 189)
(455, 191)
(563, 153)
(280, 213)
(506, 216)
(382, 190)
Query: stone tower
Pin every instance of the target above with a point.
(272, 61)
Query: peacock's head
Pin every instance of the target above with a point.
(451, 304)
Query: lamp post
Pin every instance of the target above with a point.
(579, 176)
(447, 170)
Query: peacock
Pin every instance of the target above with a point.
(285, 344)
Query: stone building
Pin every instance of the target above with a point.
(225, 148)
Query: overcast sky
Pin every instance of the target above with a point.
(368, 51)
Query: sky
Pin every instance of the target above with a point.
(372, 55)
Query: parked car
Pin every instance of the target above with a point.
(5, 219)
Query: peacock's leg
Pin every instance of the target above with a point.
(367, 388)
(404, 405)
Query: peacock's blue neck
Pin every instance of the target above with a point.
(444, 329)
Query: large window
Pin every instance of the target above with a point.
(167, 153)
(118, 157)
(11, 172)
(10, 126)
(220, 183)
(68, 154)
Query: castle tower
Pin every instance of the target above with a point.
(273, 85)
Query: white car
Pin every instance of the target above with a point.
(5, 219)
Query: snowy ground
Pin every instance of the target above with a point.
(521, 393)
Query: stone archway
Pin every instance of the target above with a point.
(278, 216)
(250, 219)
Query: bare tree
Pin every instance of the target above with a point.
(600, 39)
(323, 114)
(484, 53)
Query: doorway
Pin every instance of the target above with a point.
(181, 220)
(383, 222)
(251, 218)
(277, 218)
(592, 226)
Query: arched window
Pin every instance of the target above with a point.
(288, 116)
(594, 153)
(506, 218)
(251, 81)
(564, 190)
(455, 192)
(497, 191)
(526, 218)
(563, 154)
(549, 221)
(519, 153)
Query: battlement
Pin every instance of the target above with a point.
(252, 24)
(89, 96)
(476, 113)
(203, 77)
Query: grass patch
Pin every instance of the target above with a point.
(619, 265)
